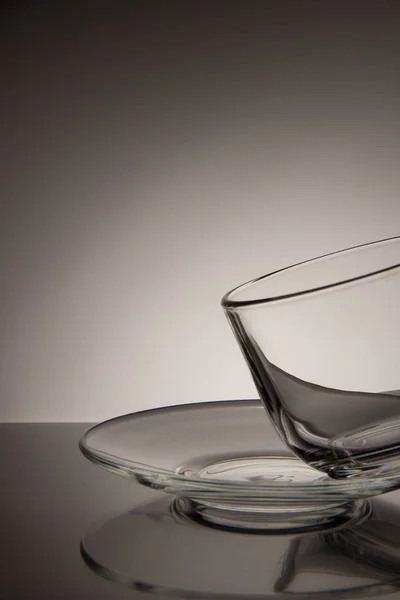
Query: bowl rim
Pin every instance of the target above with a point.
(229, 303)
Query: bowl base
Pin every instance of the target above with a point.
(264, 519)
(253, 512)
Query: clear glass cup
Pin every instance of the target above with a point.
(321, 339)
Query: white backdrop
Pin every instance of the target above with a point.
(156, 159)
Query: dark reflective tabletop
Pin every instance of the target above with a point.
(136, 547)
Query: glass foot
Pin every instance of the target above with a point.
(270, 518)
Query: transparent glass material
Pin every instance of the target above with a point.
(228, 467)
(321, 339)
(154, 551)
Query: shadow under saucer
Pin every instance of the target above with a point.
(157, 550)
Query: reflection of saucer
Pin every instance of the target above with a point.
(227, 461)
(152, 550)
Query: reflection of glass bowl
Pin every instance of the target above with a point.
(375, 542)
(154, 550)
(227, 465)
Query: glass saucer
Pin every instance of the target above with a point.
(227, 466)
(152, 550)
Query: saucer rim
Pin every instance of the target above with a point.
(160, 478)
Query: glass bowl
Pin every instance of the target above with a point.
(321, 339)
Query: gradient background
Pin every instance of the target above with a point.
(157, 153)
